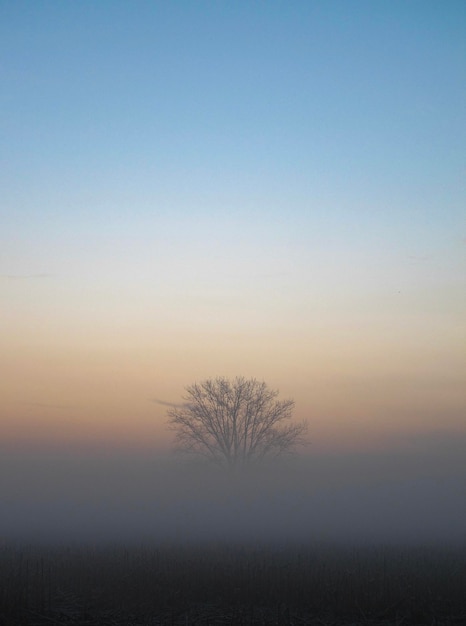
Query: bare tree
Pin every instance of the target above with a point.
(234, 423)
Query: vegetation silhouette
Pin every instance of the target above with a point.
(235, 423)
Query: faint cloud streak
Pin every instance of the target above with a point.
(24, 276)
(165, 403)
(51, 406)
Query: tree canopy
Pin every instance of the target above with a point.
(234, 423)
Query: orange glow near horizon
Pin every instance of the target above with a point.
(354, 386)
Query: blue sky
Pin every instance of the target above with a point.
(236, 98)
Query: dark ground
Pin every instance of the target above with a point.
(234, 584)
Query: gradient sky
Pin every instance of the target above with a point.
(269, 189)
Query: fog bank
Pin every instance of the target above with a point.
(411, 491)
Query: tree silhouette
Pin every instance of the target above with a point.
(234, 423)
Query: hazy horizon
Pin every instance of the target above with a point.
(410, 493)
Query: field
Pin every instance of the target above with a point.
(237, 584)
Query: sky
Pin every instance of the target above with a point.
(265, 189)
